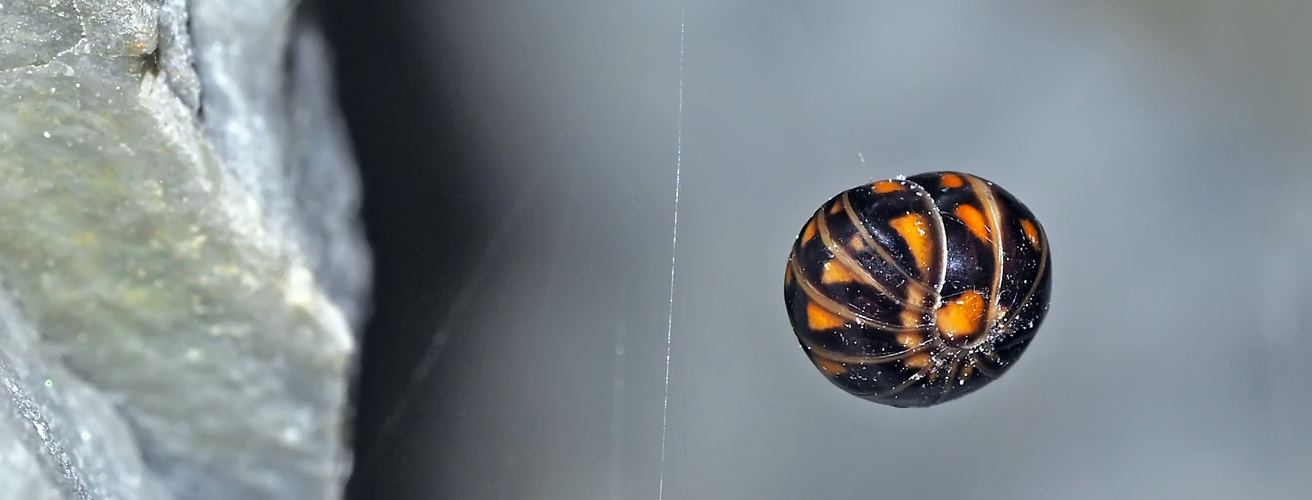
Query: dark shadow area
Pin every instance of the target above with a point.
(421, 210)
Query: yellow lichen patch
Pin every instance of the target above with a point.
(913, 229)
(918, 360)
(950, 181)
(817, 318)
(909, 339)
(808, 233)
(831, 368)
(974, 221)
(962, 316)
(1031, 232)
(86, 238)
(835, 273)
(882, 187)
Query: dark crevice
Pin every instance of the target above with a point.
(150, 63)
(422, 208)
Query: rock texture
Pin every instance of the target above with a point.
(181, 262)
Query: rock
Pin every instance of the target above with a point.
(63, 438)
(178, 228)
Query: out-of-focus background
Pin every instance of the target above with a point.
(520, 163)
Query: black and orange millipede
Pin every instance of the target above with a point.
(915, 291)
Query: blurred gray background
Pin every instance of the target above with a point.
(520, 161)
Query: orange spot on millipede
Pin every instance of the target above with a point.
(962, 316)
(909, 340)
(808, 233)
(1031, 232)
(882, 187)
(831, 368)
(912, 228)
(974, 221)
(857, 244)
(835, 273)
(950, 181)
(917, 361)
(819, 319)
(909, 317)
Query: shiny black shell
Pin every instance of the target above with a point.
(916, 291)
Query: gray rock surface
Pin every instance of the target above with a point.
(62, 437)
(179, 247)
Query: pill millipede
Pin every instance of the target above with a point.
(915, 291)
